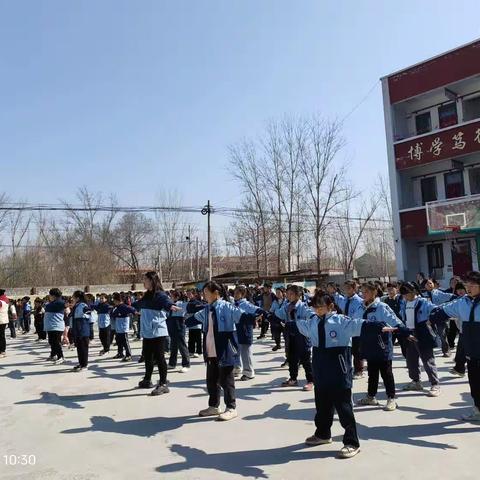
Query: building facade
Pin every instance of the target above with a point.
(432, 123)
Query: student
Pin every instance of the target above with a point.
(90, 300)
(81, 329)
(467, 310)
(460, 358)
(265, 301)
(3, 322)
(54, 322)
(415, 314)
(194, 332)
(378, 348)
(298, 345)
(434, 295)
(348, 304)
(394, 300)
(277, 329)
(38, 315)
(220, 348)
(331, 336)
(103, 310)
(153, 307)
(459, 291)
(245, 330)
(12, 318)
(26, 314)
(121, 313)
(177, 331)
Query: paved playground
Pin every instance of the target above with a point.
(96, 425)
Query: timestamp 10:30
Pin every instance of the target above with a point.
(13, 460)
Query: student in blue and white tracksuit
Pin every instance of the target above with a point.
(245, 330)
(348, 305)
(377, 348)
(121, 312)
(194, 332)
(467, 310)
(154, 307)
(177, 332)
(415, 312)
(298, 345)
(220, 349)
(331, 336)
(438, 297)
(54, 324)
(103, 310)
(81, 328)
(277, 329)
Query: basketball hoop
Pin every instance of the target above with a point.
(452, 228)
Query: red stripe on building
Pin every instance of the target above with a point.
(451, 143)
(451, 67)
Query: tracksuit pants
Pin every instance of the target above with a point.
(55, 342)
(123, 345)
(299, 354)
(154, 353)
(195, 340)
(414, 353)
(326, 402)
(82, 350)
(104, 335)
(474, 380)
(385, 370)
(246, 360)
(219, 378)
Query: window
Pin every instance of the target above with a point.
(454, 184)
(474, 175)
(471, 108)
(423, 123)
(435, 260)
(428, 186)
(447, 114)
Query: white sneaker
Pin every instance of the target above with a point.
(228, 414)
(368, 400)
(455, 372)
(413, 387)
(169, 367)
(59, 361)
(391, 405)
(196, 355)
(473, 416)
(184, 370)
(434, 391)
(209, 412)
(348, 451)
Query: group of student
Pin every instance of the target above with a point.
(321, 333)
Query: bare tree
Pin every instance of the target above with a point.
(325, 184)
(132, 240)
(245, 167)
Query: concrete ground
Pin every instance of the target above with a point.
(95, 424)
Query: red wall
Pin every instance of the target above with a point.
(451, 67)
(471, 137)
(413, 223)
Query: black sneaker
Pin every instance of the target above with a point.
(275, 348)
(145, 384)
(244, 378)
(126, 359)
(117, 356)
(141, 359)
(160, 390)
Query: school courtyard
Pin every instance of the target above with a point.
(97, 425)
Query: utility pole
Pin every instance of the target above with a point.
(207, 210)
(190, 259)
(197, 259)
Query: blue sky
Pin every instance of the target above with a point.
(134, 96)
